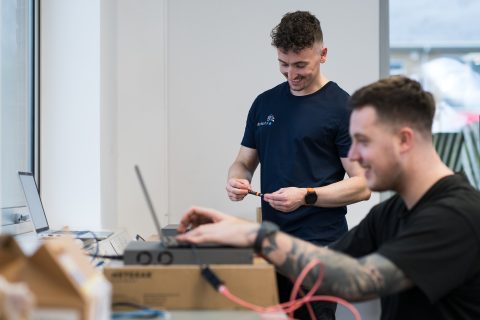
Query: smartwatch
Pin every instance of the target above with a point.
(266, 229)
(311, 196)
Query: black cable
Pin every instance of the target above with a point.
(112, 257)
(207, 273)
(211, 277)
(97, 244)
(195, 254)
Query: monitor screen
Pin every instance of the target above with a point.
(37, 214)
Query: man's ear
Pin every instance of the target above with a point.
(406, 138)
(323, 55)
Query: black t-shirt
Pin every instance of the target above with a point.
(436, 244)
(299, 141)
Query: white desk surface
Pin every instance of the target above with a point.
(221, 315)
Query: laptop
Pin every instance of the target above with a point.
(39, 219)
(166, 241)
(169, 251)
(169, 241)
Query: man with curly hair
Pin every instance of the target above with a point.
(298, 132)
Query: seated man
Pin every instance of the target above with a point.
(419, 250)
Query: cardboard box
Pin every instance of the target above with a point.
(60, 277)
(182, 287)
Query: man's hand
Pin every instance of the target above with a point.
(286, 199)
(216, 227)
(197, 216)
(237, 189)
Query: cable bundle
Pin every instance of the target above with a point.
(287, 307)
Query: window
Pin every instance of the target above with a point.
(437, 43)
(16, 99)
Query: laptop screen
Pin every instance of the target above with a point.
(33, 201)
(149, 202)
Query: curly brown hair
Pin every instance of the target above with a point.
(296, 31)
(398, 100)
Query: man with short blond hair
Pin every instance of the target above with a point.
(419, 251)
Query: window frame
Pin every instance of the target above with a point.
(12, 217)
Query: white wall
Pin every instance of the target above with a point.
(216, 59)
(142, 118)
(70, 112)
(108, 112)
(176, 81)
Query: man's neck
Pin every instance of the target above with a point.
(423, 173)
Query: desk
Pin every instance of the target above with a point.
(220, 315)
(194, 283)
(113, 245)
(28, 242)
(174, 315)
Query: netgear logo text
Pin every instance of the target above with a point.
(270, 120)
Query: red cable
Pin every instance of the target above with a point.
(309, 306)
(278, 308)
(225, 292)
(298, 283)
(290, 306)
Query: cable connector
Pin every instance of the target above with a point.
(211, 277)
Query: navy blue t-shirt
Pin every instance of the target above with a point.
(299, 141)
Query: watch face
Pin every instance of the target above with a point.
(310, 197)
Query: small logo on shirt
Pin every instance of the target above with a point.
(270, 120)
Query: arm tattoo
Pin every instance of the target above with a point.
(353, 279)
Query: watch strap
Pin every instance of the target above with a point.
(310, 197)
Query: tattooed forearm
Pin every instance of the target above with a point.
(353, 279)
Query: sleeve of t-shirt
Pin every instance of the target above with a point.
(342, 139)
(250, 127)
(360, 240)
(435, 252)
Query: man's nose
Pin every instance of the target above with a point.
(292, 74)
(352, 153)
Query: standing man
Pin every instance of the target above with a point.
(298, 131)
(419, 250)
